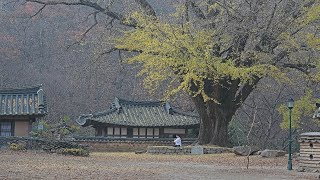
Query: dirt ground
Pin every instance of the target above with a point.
(40, 165)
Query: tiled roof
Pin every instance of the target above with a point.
(141, 114)
(23, 101)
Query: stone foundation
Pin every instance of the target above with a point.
(186, 150)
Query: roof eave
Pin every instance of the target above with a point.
(89, 121)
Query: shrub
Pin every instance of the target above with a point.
(17, 147)
(75, 151)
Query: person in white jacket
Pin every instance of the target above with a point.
(177, 141)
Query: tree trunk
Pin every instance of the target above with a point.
(215, 115)
(214, 121)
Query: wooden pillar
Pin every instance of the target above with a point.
(161, 131)
(186, 133)
(129, 132)
(103, 131)
(96, 131)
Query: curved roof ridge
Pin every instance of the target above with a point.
(156, 103)
(26, 89)
(131, 102)
(82, 119)
(102, 113)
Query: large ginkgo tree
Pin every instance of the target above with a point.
(216, 51)
(218, 60)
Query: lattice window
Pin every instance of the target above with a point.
(30, 104)
(25, 104)
(19, 110)
(142, 132)
(36, 106)
(6, 129)
(14, 109)
(156, 132)
(149, 132)
(117, 131)
(110, 131)
(135, 132)
(124, 132)
(2, 104)
(9, 107)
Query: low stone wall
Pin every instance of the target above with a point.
(116, 146)
(186, 150)
(103, 144)
(154, 146)
(37, 143)
(217, 150)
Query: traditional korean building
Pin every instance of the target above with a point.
(140, 119)
(19, 108)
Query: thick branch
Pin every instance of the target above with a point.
(196, 9)
(245, 92)
(272, 16)
(279, 57)
(80, 2)
(94, 24)
(87, 3)
(39, 11)
(148, 10)
(85, 33)
(107, 52)
(301, 67)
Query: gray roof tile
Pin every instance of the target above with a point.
(141, 113)
(22, 101)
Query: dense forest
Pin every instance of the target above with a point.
(66, 48)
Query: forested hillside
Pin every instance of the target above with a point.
(45, 49)
(66, 48)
